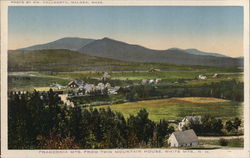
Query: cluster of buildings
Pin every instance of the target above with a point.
(87, 89)
(203, 77)
(151, 81)
(81, 88)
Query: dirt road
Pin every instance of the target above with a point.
(65, 100)
(217, 138)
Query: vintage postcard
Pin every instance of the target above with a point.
(121, 78)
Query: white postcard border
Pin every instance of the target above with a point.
(121, 152)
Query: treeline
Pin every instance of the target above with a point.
(208, 125)
(41, 121)
(231, 90)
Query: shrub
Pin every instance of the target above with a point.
(223, 142)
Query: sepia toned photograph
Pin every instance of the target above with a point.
(125, 77)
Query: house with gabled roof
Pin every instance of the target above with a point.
(187, 120)
(73, 84)
(186, 138)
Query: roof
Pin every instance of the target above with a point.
(152, 69)
(184, 137)
(193, 118)
(72, 82)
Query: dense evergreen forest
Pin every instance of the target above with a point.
(41, 121)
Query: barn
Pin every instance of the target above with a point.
(186, 138)
(154, 70)
(73, 84)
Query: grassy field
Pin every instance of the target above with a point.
(238, 142)
(137, 75)
(25, 81)
(177, 108)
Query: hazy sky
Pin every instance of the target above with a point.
(212, 29)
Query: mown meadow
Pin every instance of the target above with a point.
(177, 109)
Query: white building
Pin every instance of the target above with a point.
(215, 75)
(151, 81)
(144, 81)
(157, 81)
(201, 77)
(101, 87)
(186, 138)
(108, 85)
(113, 90)
(187, 120)
(89, 88)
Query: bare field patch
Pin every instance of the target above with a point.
(203, 100)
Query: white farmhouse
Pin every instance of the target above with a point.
(215, 75)
(89, 88)
(186, 138)
(105, 76)
(187, 120)
(108, 85)
(151, 81)
(100, 87)
(144, 81)
(201, 77)
(157, 81)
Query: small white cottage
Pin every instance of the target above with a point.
(186, 138)
(201, 77)
(187, 120)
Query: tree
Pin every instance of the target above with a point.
(217, 125)
(236, 123)
(40, 120)
(229, 126)
(141, 126)
(163, 130)
(55, 141)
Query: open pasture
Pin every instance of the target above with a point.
(177, 108)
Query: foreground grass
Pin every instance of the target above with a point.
(238, 142)
(176, 108)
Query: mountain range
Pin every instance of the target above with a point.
(70, 43)
(118, 50)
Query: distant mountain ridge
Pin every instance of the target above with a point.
(198, 52)
(118, 50)
(70, 43)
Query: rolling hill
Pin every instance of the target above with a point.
(57, 60)
(118, 50)
(67, 60)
